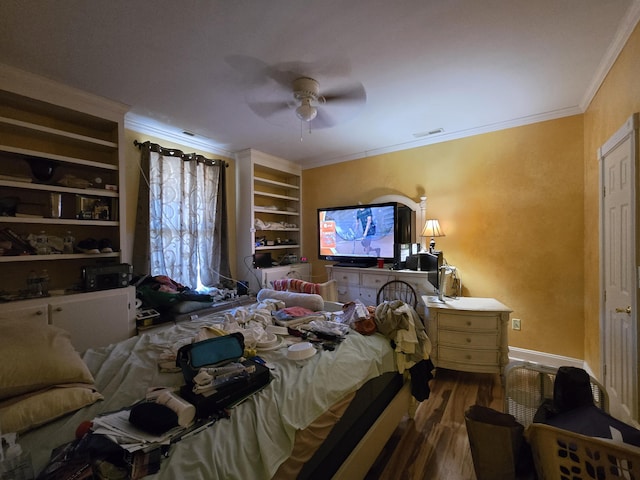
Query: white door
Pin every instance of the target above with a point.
(619, 314)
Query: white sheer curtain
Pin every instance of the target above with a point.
(186, 217)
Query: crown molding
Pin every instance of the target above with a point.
(445, 137)
(628, 24)
(144, 125)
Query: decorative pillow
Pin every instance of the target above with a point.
(23, 413)
(311, 301)
(32, 359)
(327, 290)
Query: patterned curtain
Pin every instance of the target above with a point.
(181, 226)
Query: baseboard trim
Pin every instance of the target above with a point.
(523, 355)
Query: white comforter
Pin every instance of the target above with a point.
(259, 435)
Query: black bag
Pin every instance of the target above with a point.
(216, 352)
(571, 389)
(212, 352)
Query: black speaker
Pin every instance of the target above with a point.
(262, 260)
(406, 225)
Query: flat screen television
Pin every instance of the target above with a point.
(432, 263)
(359, 235)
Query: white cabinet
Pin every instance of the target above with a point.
(93, 319)
(268, 213)
(363, 283)
(469, 334)
(300, 271)
(34, 312)
(48, 128)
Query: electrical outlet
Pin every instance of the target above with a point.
(515, 323)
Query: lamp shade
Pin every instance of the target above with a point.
(432, 229)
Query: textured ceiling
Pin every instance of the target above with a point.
(207, 67)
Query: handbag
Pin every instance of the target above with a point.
(211, 352)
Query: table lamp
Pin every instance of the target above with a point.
(432, 229)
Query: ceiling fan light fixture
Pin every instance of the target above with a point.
(306, 112)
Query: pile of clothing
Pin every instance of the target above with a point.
(162, 293)
(400, 323)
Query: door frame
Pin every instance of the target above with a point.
(630, 128)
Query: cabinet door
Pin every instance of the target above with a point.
(300, 271)
(34, 313)
(94, 319)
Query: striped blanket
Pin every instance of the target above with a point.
(296, 285)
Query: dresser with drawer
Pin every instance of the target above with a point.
(468, 333)
(363, 283)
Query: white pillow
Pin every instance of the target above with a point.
(34, 358)
(292, 299)
(23, 413)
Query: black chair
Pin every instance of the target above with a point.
(398, 290)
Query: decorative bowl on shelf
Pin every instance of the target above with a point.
(8, 206)
(42, 169)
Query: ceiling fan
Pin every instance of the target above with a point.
(319, 109)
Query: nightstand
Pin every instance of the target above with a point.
(468, 333)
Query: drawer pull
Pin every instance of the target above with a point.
(468, 357)
(57, 309)
(468, 340)
(39, 312)
(468, 323)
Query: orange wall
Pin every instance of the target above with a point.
(511, 205)
(617, 99)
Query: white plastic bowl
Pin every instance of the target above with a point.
(270, 340)
(301, 351)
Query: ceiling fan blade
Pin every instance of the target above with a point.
(267, 109)
(283, 77)
(322, 120)
(352, 93)
(285, 73)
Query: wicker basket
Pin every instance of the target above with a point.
(527, 385)
(563, 455)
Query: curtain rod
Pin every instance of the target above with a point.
(174, 152)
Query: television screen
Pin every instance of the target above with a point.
(432, 263)
(358, 235)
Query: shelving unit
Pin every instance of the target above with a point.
(79, 137)
(269, 220)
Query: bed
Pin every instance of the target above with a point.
(328, 416)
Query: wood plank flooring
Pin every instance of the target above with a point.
(434, 444)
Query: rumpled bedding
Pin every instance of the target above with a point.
(259, 436)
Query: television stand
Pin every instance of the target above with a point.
(355, 264)
(363, 284)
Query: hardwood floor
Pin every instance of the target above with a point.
(434, 444)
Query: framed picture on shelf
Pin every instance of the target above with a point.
(93, 208)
